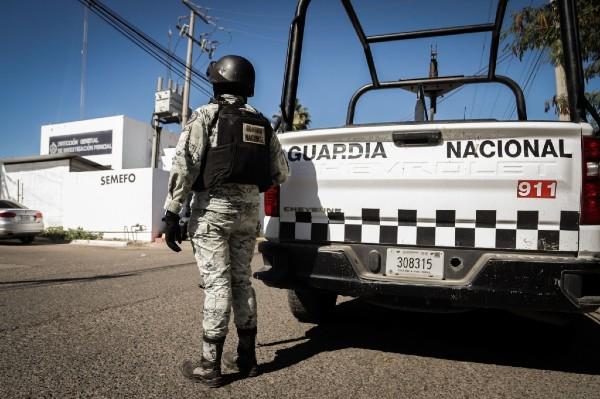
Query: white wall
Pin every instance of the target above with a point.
(3, 183)
(41, 187)
(168, 141)
(137, 144)
(167, 158)
(113, 201)
(159, 193)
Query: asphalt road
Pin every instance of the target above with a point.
(110, 323)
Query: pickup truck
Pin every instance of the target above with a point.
(438, 215)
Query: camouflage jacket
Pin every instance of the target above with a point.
(196, 135)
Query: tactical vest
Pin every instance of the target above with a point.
(242, 151)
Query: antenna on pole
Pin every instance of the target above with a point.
(83, 63)
(433, 73)
(170, 36)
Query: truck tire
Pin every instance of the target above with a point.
(310, 305)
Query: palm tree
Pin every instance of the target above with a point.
(301, 117)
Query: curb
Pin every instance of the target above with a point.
(100, 243)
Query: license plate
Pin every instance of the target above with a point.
(416, 264)
(24, 219)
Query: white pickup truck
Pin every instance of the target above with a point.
(437, 215)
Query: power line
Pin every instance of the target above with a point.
(525, 77)
(143, 46)
(241, 13)
(174, 51)
(521, 76)
(499, 88)
(531, 78)
(257, 35)
(246, 24)
(501, 59)
(143, 41)
(176, 44)
(481, 59)
(524, 71)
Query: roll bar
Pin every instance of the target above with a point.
(569, 37)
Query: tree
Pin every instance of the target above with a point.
(537, 28)
(301, 119)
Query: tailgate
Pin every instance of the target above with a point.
(495, 185)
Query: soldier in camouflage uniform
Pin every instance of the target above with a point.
(224, 212)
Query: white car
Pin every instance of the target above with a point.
(17, 221)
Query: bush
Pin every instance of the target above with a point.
(54, 233)
(60, 234)
(81, 234)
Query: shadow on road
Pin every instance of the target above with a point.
(490, 337)
(66, 280)
(20, 284)
(13, 242)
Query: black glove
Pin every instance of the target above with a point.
(173, 231)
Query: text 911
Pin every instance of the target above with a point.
(536, 189)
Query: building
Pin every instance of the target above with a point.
(118, 142)
(39, 181)
(94, 174)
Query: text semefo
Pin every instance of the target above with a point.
(115, 179)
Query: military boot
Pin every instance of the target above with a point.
(244, 362)
(208, 370)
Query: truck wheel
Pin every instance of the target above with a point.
(27, 239)
(310, 305)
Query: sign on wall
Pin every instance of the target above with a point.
(94, 143)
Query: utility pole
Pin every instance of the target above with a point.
(561, 85)
(188, 70)
(83, 63)
(170, 104)
(561, 90)
(194, 11)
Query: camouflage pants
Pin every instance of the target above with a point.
(223, 231)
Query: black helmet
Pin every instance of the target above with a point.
(232, 74)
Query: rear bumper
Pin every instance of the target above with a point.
(503, 281)
(19, 230)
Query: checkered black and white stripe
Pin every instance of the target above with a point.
(446, 230)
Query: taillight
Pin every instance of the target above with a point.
(590, 194)
(38, 215)
(272, 201)
(7, 214)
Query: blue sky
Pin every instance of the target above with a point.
(41, 60)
